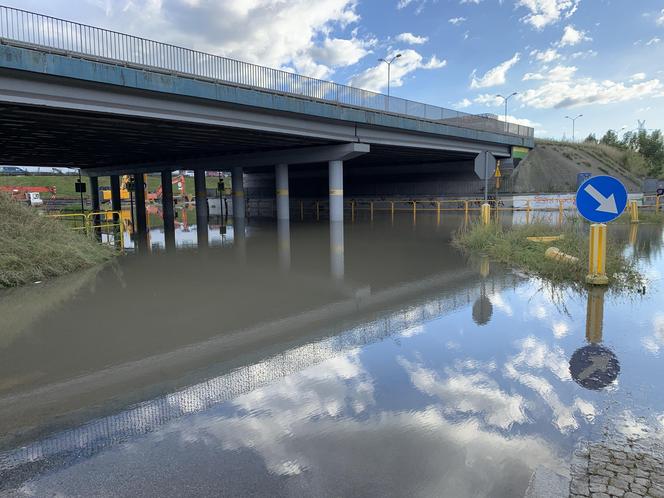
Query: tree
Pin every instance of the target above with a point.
(611, 138)
(591, 139)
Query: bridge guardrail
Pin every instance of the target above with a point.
(22, 27)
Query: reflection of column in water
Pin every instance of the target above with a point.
(337, 249)
(633, 234)
(239, 238)
(595, 315)
(284, 242)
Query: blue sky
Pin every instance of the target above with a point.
(600, 58)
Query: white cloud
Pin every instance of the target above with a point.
(287, 38)
(412, 39)
(545, 56)
(638, 77)
(572, 36)
(489, 100)
(519, 121)
(545, 12)
(532, 76)
(584, 54)
(653, 41)
(375, 78)
(563, 90)
(456, 20)
(462, 104)
(655, 342)
(474, 393)
(660, 18)
(494, 76)
(476, 2)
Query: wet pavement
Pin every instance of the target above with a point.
(375, 360)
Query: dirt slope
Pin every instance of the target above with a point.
(553, 167)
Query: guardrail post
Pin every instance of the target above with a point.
(634, 211)
(486, 213)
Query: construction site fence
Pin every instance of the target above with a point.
(107, 227)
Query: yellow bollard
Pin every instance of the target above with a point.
(634, 211)
(555, 253)
(352, 210)
(438, 212)
(414, 211)
(597, 255)
(392, 210)
(371, 209)
(317, 211)
(486, 213)
(301, 210)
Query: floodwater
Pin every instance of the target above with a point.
(366, 360)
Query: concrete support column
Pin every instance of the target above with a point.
(238, 193)
(284, 242)
(168, 209)
(239, 239)
(141, 215)
(337, 249)
(201, 208)
(283, 199)
(94, 193)
(336, 180)
(116, 200)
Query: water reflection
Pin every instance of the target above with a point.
(354, 372)
(594, 366)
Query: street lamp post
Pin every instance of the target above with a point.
(573, 125)
(389, 64)
(505, 99)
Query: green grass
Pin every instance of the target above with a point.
(510, 246)
(64, 185)
(35, 247)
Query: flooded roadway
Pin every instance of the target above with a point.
(381, 363)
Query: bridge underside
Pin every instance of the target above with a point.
(34, 135)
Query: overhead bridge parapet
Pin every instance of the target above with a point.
(52, 35)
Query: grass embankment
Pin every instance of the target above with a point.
(511, 246)
(34, 247)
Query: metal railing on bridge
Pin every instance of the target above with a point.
(20, 27)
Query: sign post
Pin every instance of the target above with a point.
(600, 199)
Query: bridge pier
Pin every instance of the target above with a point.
(201, 207)
(283, 198)
(284, 242)
(168, 209)
(238, 192)
(336, 183)
(337, 249)
(116, 199)
(94, 193)
(141, 228)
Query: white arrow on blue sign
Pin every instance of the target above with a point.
(601, 199)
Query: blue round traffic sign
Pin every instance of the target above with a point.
(601, 199)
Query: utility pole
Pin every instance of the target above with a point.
(505, 99)
(389, 66)
(573, 125)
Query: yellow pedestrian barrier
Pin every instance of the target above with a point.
(634, 211)
(595, 315)
(486, 213)
(597, 255)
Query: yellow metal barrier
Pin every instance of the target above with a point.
(99, 220)
(486, 213)
(73, 217)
